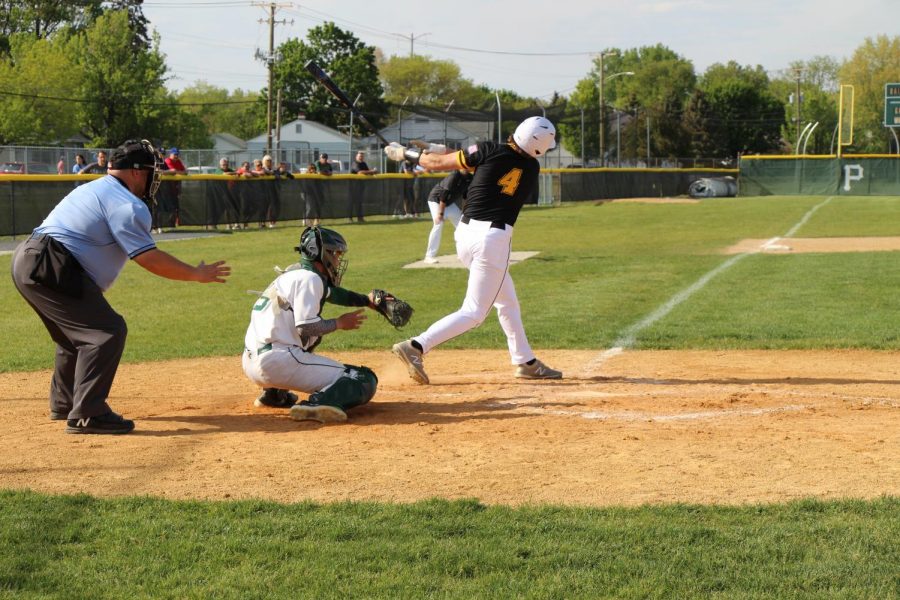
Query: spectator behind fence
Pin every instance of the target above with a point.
(245, 194)
(267, 165)
(308, 187)
(61, 166)
(358, 188)
(98, 167)
(225, 167)
(79, 165)
(174, 164)
(318, 191)
(274, 193)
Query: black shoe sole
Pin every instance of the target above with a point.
(85, 430)
(100, 430)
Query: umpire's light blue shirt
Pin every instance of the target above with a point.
(102, 224)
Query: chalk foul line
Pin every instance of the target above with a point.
(627, 338)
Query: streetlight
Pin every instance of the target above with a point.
(601, 79)
(602, 103)
(603, 107)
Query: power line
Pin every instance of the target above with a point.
(125, 99)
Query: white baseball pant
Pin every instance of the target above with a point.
(484, 250)
(452, 213)
(290, 368)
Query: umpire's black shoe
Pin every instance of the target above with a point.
(59, 416)
(110, 423)
(276, 398)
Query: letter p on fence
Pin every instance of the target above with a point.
(852, 173)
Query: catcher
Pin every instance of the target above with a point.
(286, 326)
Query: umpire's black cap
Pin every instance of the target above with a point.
(133, 154)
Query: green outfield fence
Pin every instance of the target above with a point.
(820, 175)
(213, 200)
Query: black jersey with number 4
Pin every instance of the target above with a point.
(504, 180)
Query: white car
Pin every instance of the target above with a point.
(203, 170)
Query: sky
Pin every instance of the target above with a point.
(533, 48)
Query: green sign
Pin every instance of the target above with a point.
(892, 105)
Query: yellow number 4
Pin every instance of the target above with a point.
(510, 182)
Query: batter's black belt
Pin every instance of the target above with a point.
(494, 224)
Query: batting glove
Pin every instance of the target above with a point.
(398, 152)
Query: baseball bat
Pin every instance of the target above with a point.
(323, 78)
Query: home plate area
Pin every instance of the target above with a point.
(450, 261)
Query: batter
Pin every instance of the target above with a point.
(504, 177)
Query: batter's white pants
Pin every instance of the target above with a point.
(485, 251)
(290, 368)
(451, 213)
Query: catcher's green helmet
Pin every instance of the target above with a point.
(326, 247)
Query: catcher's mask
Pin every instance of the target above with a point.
(327, 247)
(140, 155)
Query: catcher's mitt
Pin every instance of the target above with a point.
(395, 310)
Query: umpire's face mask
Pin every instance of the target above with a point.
(151, 184)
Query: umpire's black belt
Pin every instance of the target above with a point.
(494, 224)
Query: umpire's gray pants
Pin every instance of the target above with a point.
(89, 336)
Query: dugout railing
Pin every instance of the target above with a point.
(221, 200)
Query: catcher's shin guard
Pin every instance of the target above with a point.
(355, 387)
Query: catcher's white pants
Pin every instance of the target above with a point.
(485, 251)
(290, 368)
(452, 213)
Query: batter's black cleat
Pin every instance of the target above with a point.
(276, 398)
(110, 423)
(537, 370)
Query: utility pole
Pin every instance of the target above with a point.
(412, 38)
(270, 62)
(277, 130)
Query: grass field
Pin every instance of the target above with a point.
(602, 269)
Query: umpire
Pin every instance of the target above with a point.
(74, 256)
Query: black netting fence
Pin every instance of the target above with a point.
(213, 200)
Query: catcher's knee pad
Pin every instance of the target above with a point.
(354, 387)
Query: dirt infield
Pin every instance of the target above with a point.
(804, 245)
(639, 427)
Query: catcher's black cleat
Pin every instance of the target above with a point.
(276, 398)
(323, 413)
(110, 423)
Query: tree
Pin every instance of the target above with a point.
(875, 63)
(426, 81)
(123, 86)
(349, 62)
(818, 79)
(733, 112)
(658, 90)
(658, 87)
(37, 77)
(222, 111)
(584, 100)
(43, 18)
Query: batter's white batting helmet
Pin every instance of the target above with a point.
(536, 136)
